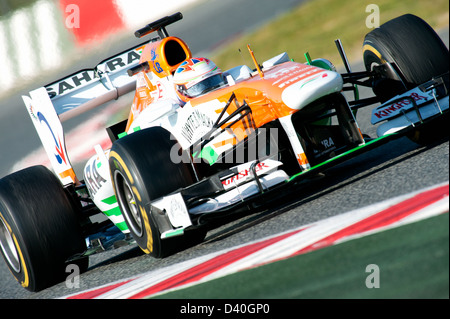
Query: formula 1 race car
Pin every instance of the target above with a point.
(200, 144)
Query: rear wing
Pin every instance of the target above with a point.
(54, 103)
(89, 88)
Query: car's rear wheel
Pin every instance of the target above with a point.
(142, 170)
(39, 228)
(417, 53)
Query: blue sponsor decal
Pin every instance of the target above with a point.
(60, 157)
(156, 65)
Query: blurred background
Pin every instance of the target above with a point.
(37, 37)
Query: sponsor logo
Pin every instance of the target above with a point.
(158, 93)
(327, 143)
(156, 66)
(195, 121)
(395, 107)
(293, 74)
(243, 174)
(93, 179)
(87, 76)
(60, 156)
(31, 110)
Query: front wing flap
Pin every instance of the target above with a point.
(414, 107)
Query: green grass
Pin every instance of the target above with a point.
(413, 262)
(315, 25)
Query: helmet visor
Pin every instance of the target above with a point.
(202, 87)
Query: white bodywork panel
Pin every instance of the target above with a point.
(402, 113)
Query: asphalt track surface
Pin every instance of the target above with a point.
(394, 169)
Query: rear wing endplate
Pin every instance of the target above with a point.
(50, 105)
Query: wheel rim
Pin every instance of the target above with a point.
(128, 204)
(8, 247)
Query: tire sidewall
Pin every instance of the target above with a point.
(143, 160)
(25, 275)
(123, 169)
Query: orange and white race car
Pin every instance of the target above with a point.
(200, 143)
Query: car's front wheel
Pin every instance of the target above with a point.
(142, 170)
(417, 53)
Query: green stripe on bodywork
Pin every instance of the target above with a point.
(175, 232)
(122, 226)
(209, 154)
(342, 155)
(321, 64)
(110, 200)
(113, 212)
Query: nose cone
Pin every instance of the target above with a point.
(301, 93)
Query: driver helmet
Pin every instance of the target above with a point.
(195, 77)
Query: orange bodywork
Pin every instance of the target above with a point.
(263, 94)
(163, 58)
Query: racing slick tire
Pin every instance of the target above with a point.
(418, 54)
(39, 228)
(142, 170)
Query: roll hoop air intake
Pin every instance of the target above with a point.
(159, 26)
